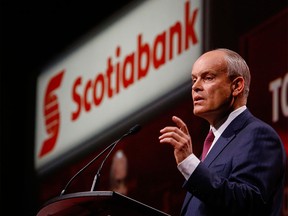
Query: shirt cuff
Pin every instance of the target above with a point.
(187, 166)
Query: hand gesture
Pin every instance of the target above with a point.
(178, 137)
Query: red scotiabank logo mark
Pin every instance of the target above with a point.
(51, 114)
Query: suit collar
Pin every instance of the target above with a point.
(228, 134)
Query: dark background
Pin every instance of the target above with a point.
(33, 34)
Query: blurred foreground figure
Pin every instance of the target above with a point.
(118, 173)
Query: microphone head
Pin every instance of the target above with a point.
(134, 129)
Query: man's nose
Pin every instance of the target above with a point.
(196, 85)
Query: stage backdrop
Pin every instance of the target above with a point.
(266, 51)
(142, 168)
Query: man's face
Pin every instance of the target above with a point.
(211, 88)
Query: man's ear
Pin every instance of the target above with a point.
(238, 86)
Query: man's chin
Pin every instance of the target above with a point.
(199, 112)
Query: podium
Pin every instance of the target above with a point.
(97, 203)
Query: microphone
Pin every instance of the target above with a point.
(132, 130)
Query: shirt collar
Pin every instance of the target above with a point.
(231, 117)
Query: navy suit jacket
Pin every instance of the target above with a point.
(243, 174)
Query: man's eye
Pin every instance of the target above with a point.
(209, 78)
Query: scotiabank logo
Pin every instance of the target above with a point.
(120, 75)
(112, 78)
(51, 114)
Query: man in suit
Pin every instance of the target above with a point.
(244, 170)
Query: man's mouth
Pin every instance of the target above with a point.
(197, 98)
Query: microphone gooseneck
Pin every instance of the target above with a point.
(132, 130)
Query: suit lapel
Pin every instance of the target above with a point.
(228, 134)
(217, 149)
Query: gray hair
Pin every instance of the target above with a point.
(237, 66)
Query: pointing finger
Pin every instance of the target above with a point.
(180, 124)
